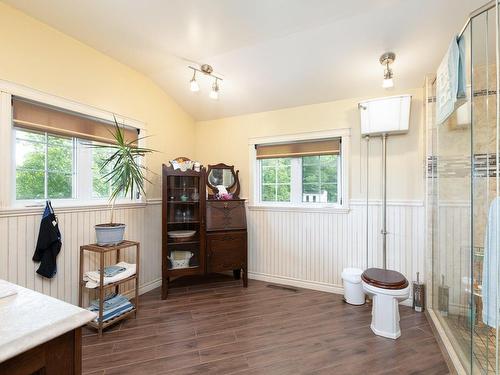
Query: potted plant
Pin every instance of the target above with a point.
(126, 175)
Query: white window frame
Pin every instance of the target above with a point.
(255, 173)
(8, 200)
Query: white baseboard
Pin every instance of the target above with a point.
(314, 285)
(144, 288)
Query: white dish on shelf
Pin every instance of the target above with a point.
(181, 233)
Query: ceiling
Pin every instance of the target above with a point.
(272, 53)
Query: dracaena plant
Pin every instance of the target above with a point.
(123, 169)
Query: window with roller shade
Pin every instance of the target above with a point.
(306, 172)
(53, 159)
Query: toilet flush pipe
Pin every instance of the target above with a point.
(384, 200)
(367, 197)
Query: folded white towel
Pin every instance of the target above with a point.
(93, 277)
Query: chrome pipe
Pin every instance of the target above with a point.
(384, 200)
(367, 198)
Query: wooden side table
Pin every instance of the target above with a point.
(102, 250)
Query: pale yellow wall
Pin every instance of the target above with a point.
(38, 56)
(226, 140)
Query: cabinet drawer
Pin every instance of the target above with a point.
(226, 251)
(226, 215)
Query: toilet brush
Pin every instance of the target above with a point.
(443, 298)
(418, 294)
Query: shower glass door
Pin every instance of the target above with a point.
(463, 206)
(484, 282)
(452, 298)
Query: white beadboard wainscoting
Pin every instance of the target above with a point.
(19, 233)
(301, 248)
(311, 248)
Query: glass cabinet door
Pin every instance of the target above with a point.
(183, 222)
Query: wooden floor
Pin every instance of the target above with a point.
(220, 328)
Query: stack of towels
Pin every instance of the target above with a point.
(112, 274)
(113, 305)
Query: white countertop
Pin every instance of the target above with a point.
(29, 318)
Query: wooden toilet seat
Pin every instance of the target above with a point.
(385, 279)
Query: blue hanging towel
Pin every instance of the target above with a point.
(451, 81)
(49, 243)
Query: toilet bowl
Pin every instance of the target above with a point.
(387, 288)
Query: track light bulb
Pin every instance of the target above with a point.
(214, 94)
(193, 84)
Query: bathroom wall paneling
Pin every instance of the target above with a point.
(19, 233)
(307, 249)
(310, 249)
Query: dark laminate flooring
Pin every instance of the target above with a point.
(218, 327)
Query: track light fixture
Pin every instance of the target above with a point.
(387, 59)
(208, 71)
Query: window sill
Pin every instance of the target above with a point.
(290, 208)
(66, 207)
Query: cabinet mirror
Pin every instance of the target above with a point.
(222, 175)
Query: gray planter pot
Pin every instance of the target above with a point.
(109, 234)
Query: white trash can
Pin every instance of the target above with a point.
(353, 289)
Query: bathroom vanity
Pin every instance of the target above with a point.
(40, 334)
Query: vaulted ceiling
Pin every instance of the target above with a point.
(272, 53)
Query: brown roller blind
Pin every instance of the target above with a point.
(34, 116)
(296, 149)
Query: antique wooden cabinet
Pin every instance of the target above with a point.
(183, 212)
(226, 239)
(200, 235)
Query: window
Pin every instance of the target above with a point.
(319, 178)
(276, 179)
(44, 166)
(300, 173)
(53, 156)
(100, 187)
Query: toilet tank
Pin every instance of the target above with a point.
(385, 115)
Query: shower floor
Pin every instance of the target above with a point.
(483, 344)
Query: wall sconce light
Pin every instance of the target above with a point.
(208, 71)
(387, 59)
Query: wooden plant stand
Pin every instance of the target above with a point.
(102, 250)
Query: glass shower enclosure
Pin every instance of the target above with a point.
(463, 207)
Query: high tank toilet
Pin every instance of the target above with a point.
(387, 288)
